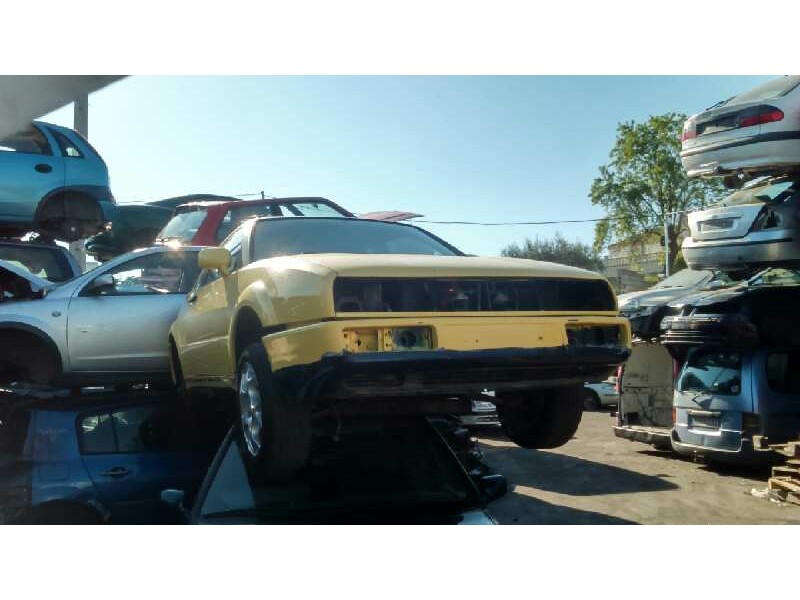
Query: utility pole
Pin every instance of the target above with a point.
(666, 246)
(81, 125)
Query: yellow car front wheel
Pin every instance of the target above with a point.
(275, 430)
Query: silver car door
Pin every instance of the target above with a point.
(119, 321)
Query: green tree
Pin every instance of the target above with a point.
(643, 185)
(557, 250)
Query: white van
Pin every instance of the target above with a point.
(646, 385)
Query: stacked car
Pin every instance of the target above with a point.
(732, 350)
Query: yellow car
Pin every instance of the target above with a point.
(308, 317)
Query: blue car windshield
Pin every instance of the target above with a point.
(311, 235)
(713, 372)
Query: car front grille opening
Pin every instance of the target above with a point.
(594, 335)
(472, 295)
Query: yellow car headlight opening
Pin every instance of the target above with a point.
(388, 339)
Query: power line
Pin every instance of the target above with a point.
(513, 222)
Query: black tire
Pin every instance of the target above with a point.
(591, 401)
(284, 435)
(176, 371)
(543, 418)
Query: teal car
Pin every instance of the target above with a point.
(54, 182)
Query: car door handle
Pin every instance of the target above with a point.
(43, 168)
(116, 472)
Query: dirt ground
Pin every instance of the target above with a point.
(598, 478)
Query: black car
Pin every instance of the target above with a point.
(100, 457)
(762, 311)
(364, 473)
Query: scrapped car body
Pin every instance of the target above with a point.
(601, 393)
(377, 474)
(761, 311)
(108, 326)
(753, 133)
(100, 458)
(646, 384)
(646, 308)
(52, 181)
(726, 399)
(138, 225)
(754, 227)
(313, 314)
(208, 223)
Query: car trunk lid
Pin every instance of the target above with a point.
(723, 222)
(728, 123)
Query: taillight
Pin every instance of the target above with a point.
(674, 414)
(618, 384)
(689, 131)
(766, 115)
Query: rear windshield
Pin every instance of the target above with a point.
(183, 226)
(713, 372)
(44, 262)
(309, 235)
(770, 191)
(767, 91)
(684, 278)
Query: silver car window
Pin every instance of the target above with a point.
(171, 272)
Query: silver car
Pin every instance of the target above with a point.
(755, 132)
(754, 227)
(108, 326)
(600, 394)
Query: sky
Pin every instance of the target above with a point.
(451, 148)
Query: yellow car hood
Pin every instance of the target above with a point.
(415, 265)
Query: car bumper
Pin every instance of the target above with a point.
(696, 330)
(474, 354)
(655, 436)
(729, 447)
(756, 153)
(772, 248)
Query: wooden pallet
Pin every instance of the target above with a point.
(792, 449)
(785, 480)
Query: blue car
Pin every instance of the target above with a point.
(54, 182)
(405, 472)
(102, 457)
(725, 397)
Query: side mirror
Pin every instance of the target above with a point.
(100, 284)
(215, 258)
(493, 486)
(174, 498)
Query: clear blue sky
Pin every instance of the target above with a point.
(451, 148)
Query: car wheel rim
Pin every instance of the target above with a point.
(250, 409)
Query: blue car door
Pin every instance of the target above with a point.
(133, 453)
(30, 167)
